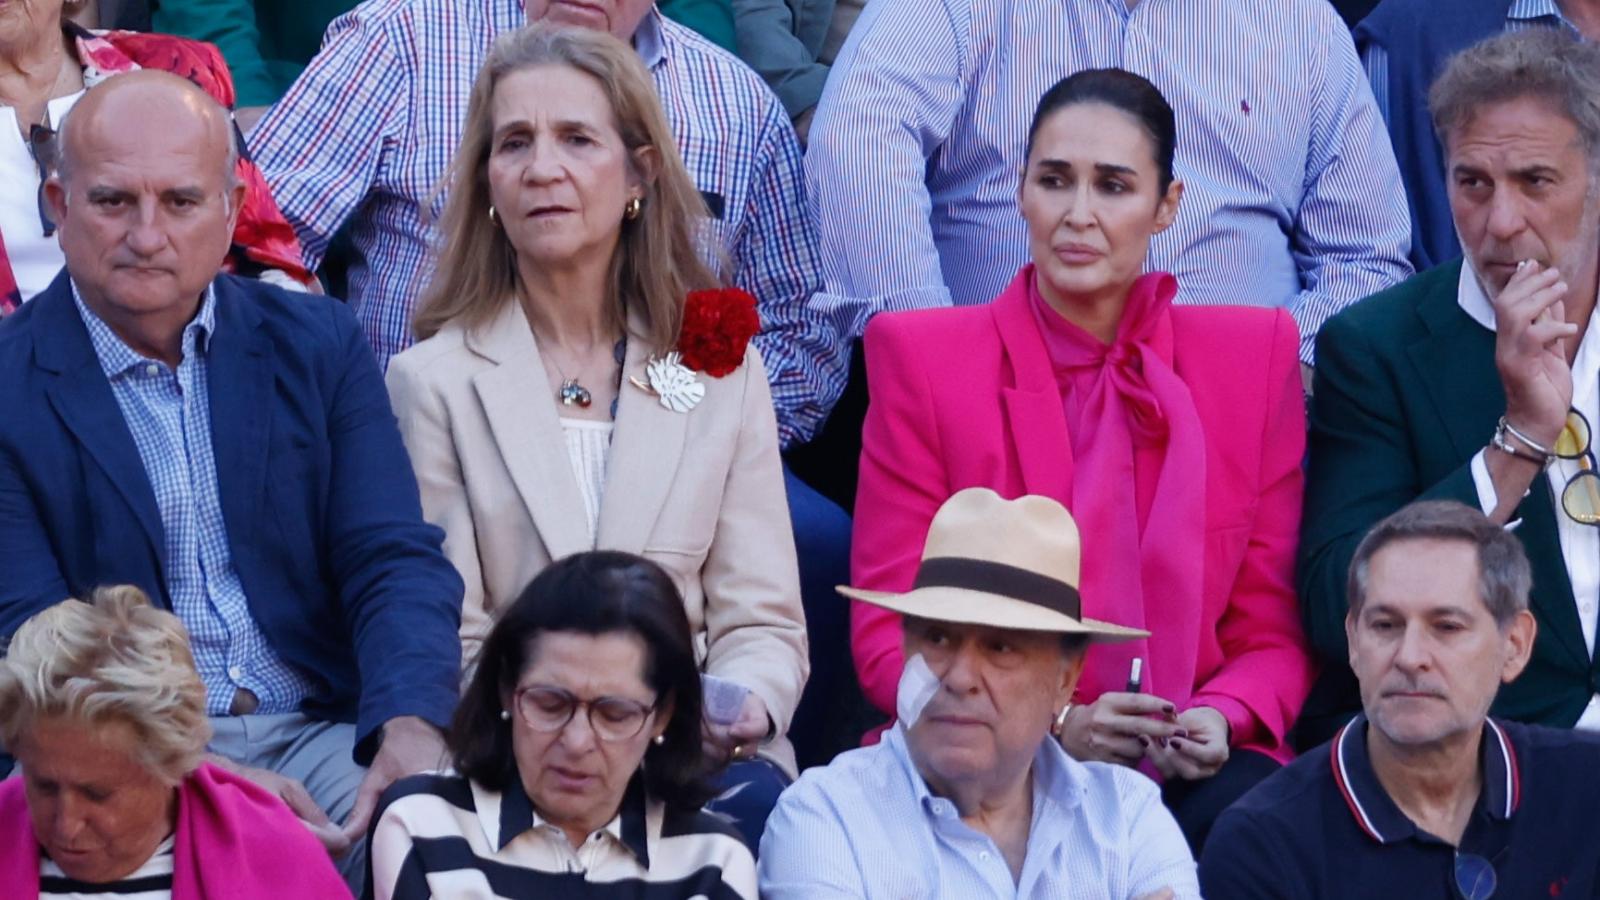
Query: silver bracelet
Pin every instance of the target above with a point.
(1505, 431)
(1531, 444)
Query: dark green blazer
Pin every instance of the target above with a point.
(1406, 393)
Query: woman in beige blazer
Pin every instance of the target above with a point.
(545, 413)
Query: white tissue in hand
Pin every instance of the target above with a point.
(917, 686)
(724, 699)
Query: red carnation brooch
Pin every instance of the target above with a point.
(717, 328)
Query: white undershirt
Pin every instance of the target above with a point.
(588, 447)
(156, 873)
(35, 259)
(1580, 544)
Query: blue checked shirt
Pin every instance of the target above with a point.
(1292, 198)
(367, 132)
(866, 827)
(168, 411)
(1522, 14)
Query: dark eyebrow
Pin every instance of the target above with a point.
(1380, 609)
(1102, 168)
(102, 192)
(191, 194)
(1537, 170)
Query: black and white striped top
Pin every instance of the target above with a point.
(151, 881)
(446, 837)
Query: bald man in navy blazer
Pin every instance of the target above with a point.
(228, 447)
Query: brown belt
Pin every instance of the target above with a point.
(244, 702)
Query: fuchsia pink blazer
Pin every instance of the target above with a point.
(968, 397)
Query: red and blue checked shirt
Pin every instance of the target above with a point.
(367, 133)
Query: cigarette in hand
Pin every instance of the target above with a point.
(1546, 314)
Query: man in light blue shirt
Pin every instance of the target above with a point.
(968, 795)
(1293, 196)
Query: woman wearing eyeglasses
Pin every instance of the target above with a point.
(578, 752)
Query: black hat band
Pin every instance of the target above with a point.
(1004, 580)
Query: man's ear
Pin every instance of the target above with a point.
(236, 195)
(55, 196)
(1069, 677)
(1519, 639)
(1350, 637)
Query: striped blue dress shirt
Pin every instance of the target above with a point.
(1292, 194)
(169, 413)
(1522, 14)
(866, 827)
(367, 132)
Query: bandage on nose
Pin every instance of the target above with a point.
(918, 684)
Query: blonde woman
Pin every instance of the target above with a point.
(101, 703)
(581, 383)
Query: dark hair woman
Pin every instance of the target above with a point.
(1173, 434)
(577, 749)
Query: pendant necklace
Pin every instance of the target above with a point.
(572, 392)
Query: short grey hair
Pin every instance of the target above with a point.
(57, 152)
(113, 659)
(1504, 576)
(1547, 64)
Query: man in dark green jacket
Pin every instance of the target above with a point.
(1458, 383)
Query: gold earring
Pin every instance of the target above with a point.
(494, 216)
(634, 206)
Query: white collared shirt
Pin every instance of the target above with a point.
(35, 259)
(1580, 544)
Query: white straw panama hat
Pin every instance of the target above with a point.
(1001, 563)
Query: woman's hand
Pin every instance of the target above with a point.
(1117, 727)
(1198, 754)
(732, 743)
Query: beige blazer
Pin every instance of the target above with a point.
(700, 493)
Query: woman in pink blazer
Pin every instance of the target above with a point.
(1174, 434)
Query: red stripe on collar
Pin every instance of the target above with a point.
(1340, 778)
(1513, 772)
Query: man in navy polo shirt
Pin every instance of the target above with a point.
(1423, 795)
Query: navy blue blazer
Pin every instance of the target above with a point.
(347, 581)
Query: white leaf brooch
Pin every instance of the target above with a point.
(717, 327)
(673, 383)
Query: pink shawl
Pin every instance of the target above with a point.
(1138, 475)
(234, 841)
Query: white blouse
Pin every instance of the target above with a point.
(35, 259)
(588, 447)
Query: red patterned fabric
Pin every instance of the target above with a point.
(262, 239)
